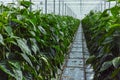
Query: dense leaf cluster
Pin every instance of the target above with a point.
(33, 45)
(102, 32)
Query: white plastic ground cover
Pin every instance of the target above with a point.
(75, 68)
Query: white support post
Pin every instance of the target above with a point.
(45, 6)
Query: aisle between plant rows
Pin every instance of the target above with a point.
(75, 68)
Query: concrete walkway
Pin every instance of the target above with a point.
(75, 68)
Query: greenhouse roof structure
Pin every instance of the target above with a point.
(76, 8)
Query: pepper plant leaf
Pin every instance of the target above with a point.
(116, 62)
(1, 39)
(26, 4)
(106, 65)
(4, 67)
(16, 69)
(22, 43)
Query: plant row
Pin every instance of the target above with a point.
(102, 32)
(33, 45)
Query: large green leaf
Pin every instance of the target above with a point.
(1, 39)
(91, 59)
(6, 68)
(32, 23)
(106, 65)
(26, 4)
(27, 59)
(16, 69)
(8, 29)
(17, 21)
(34, 46)
(107, 40)
(12, 68)
(22, 43)
(45, 60)
(115, 11)
(42, 30)
(116, 62)
(115, 26)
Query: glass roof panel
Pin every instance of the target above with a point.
(68, 7)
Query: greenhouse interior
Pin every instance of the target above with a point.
(59, 40)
